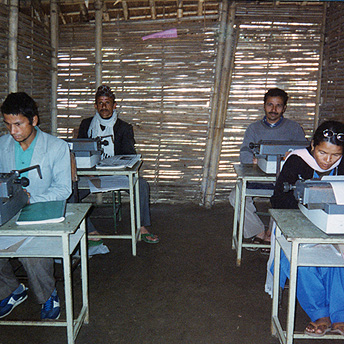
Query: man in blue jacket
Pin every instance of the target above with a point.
(26, 145)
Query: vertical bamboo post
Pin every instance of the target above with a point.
(152, 8)
(13, 47)
(98, 41)
(200, 7)
(179, 8)
(321, 57)
(222, 110)
(54, 28)
(214, 102)
(98, 5)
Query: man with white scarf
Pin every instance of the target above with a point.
(120, 142)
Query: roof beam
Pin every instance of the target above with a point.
(84, 17)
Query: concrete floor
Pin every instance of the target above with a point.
(186, 289)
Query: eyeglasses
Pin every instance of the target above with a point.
(330, 133)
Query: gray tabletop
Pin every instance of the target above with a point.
(296, 227)
(75, 213)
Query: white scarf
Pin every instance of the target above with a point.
(310, 161)
(100, 127)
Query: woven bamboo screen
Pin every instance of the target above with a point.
(332, 102)
(3, 57)
(163, 87)
(34, 68)
(34, 65)
(278, 46)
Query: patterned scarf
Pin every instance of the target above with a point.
(101, 127)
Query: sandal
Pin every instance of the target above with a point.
(265, 250)
(254, 240)
(338, 328)
(150, 238)
(322, 327)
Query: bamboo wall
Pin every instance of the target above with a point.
(163, 87)
(332, 88)
(34, 55)
(3, 57)
(34, 65)
(277, 46)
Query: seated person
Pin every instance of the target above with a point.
(273, 127)
(26, 146)
(106, 122)
(320, 290)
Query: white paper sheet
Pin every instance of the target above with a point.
(108, 183)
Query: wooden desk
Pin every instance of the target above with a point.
(57, 240)
(293, 230)
(247, 173)
(134, 197)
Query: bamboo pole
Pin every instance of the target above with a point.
(125, 9)
(179, 8)
(98, 46)
(99, 41)
(54, 27)
(321, 57)
(200, 7)
(152, 8)
(222, 109)
(13, 47)
(214, 102)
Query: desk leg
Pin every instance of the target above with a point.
(292, 292)
(67, 272)
(84, 278)
(138, 211)
(241, 221)
(236, 211)
(132, 214)
(276, 285)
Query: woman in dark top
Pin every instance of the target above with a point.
(320, 290)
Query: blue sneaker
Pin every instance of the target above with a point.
(15, 299)
(51, 309)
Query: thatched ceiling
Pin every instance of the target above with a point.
(75, 11)
(81, 11)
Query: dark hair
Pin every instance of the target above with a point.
(20, 103)
(105, 91)
(335, 127)
(277, 92)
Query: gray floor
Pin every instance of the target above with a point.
(186, 289)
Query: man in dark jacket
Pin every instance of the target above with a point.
(106, 123)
